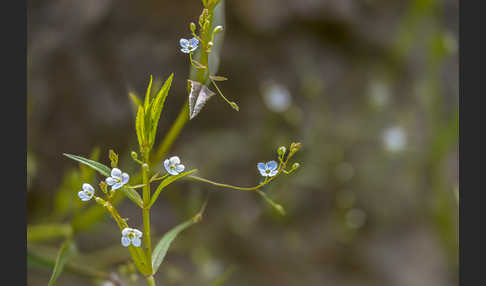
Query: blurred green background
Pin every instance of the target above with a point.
(369, 87)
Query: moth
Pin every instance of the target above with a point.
(199, 94)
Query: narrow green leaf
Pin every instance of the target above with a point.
(133, 195)
(147, 94)
(63, 255)
(158, 106)
(87, 173)
(165, 183)
(135, 99)
(218, 78)
(139, 126)
(199, 65)
(102, 169)
(163, 245)
(48, 231)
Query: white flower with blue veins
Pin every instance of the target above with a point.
(173, 165)
(87, 193)
(117, 179)
(269, 169)
(188, 46)
(131, 236)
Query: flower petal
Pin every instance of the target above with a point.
(110, 181)
(126, 231)
(117, 186)
(175, 160)
(183, 42)
(179, 168)
(136, 241)
(88, 187)
(82, 196)
(137, 232)
(116, 173)
(261, 167)
(185, 51)
(167, 164)
(273, 173)
(272, 165)
(125, 241)
(125, 178)
(172, 172)
(193, 42)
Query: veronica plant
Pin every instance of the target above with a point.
(147, 256)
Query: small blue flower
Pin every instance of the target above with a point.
(131, 236)
(189, 46)
(87, 193)
(269, 169)
(173, 165)
(117, 179)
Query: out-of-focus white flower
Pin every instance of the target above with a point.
(117, 179)
(394, 138)
(173, 165)
(131, 236)
(277, 97)
(188, 46)
(87, 193)
(269, 169)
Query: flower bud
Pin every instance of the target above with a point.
(192, 26)
(103, 187)
(100, 201)
(134, 155)
(294, 147)
(282, 150)
(218, 29)
(295, 166)
(145, 166)
(234, 106)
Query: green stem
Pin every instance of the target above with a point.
(196, 178)
(220, 93)
(150, 280)
(146, 210)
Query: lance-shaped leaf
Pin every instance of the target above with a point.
(165, 183)
(140, 127)
(199, 94)
(147, 95)
(163, 245)
(157, 106)
(135, 99)
(102, 169)
(65, 252)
